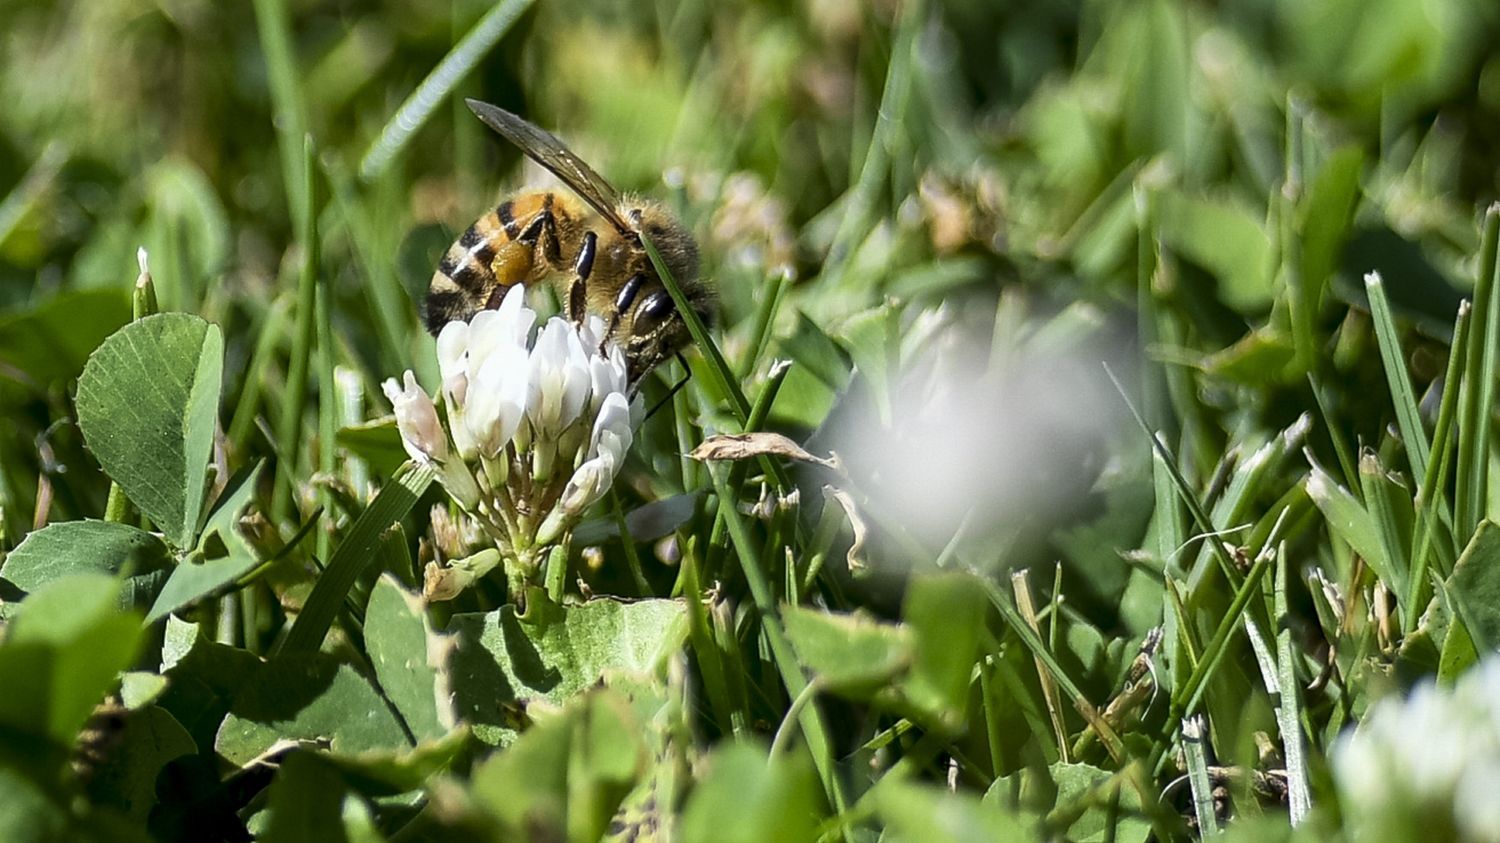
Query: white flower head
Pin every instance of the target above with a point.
(497, 399)
(1430, 760)
(560, 380)
(541, 420)
(453, 360)
(588, 484)
(421, 434)
(509, 325)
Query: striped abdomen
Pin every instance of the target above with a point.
(518, 242)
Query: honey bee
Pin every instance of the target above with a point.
(587, 244)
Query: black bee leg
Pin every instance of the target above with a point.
(583, 267)
(687, 375)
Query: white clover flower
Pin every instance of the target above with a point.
(560, 380)
(416, 417)
(1427, 763)
(498, 399)
(541, 418)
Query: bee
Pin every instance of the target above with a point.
(587, 244)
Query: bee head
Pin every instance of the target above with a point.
(654, 330)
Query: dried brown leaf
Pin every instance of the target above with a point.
(743, 446)
(856, 523)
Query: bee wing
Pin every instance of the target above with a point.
(544, 148)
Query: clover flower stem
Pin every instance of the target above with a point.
(459, 482)
(542, 459)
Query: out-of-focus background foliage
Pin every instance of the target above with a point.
(945, 215)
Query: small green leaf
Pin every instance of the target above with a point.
(307, 697)
(127, 779)
(1474, 587)
(506, 660)
(945, 613)
(62, 654)
(305, 803)
(850, 654)
(80, 547)
(410, 660)
(52, 341)
(565, 777)
(744, 798)
(147, 405)
(915, 813)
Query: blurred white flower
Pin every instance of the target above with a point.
(1428, 766)
(1008, 443)
(541, 425)
(421, 434)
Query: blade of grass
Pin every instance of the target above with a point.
(811, 721)
(1022, 590)
(273, 23)
(1408, 416)
(1482, 357)
(328, 410)
(1289, 708)
(1381, 493)
(389, 302)
(632, 558)
(449, 73)
(765, 319)
(1200, 518)
(1437, 469)
(19, 201)
(268, 336)
(289, 430)
(718, 368)
(1197, 763)
(1185, 698)
(354, 553)
(1033, 642)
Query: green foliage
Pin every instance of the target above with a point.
(148, 402)
(943, 215)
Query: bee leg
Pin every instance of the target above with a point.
(583, 267)
(687, 375)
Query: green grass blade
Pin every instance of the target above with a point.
(273, 22)
(353, 554)
(1197, 764)
(1408, 416)
(813, 730)
(449, 74)
(1289, 709)
(288, 431)
(1431, 498)
(718, 368)
(1472, 478)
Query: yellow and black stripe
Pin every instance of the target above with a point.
(496, 252)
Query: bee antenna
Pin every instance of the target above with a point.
(686, 376)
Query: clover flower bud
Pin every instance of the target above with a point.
(416, 417)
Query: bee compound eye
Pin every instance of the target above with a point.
(654, 309)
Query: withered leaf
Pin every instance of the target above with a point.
(742, 446)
